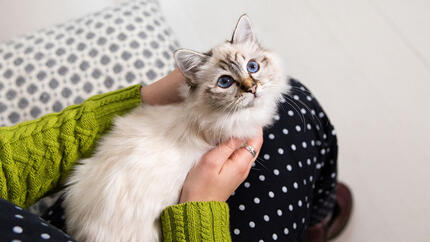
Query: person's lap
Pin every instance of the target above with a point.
(292, 184)
(290, 187)
(16, 225)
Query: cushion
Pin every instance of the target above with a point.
(62, 65)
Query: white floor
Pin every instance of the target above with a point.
(368, 62)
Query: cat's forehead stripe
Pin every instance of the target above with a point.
(238, 54)
(222, 66)
(265, 60)
(234, 68)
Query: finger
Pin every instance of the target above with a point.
(244, 154)
(241, 160)
(257, 151)
(216, 157)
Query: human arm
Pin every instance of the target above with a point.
(165, 90)
(36, 156)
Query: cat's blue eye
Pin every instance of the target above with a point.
(225, 81)
(252, 66)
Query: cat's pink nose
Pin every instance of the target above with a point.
(252, 89)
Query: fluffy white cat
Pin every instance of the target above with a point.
(140, 166)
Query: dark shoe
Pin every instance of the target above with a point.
(342, 211)
(334, 224)
(318, 232)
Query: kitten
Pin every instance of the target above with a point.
(140, 166)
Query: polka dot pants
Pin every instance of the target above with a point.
(18, 225)
(291, 186)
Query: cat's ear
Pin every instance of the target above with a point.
(188, 61)
(243, 31)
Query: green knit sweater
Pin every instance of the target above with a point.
(37, 155)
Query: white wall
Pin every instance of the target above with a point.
(18, 17)
(368, 62)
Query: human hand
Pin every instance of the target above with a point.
(164, 91)
(220, 171)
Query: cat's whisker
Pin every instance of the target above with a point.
(290, 101)
(260, 161)
(235, 108)
(306, 92)
(280, 99)
(298, 110)
(229, 113)
(282, 106)
(256, 169)
(314, 116)
(301, 92)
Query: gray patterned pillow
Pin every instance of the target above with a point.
(63, 65)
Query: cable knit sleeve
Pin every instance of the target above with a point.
(196, 221)
(36, 156)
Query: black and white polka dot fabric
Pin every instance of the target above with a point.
(292, 184)
(18, 225)
(63, 65)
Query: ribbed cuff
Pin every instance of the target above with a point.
(106, 106)
(196, 221)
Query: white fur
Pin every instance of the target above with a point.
(139, 168)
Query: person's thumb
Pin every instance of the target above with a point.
(216, 157)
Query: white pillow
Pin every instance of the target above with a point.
(46, 71)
